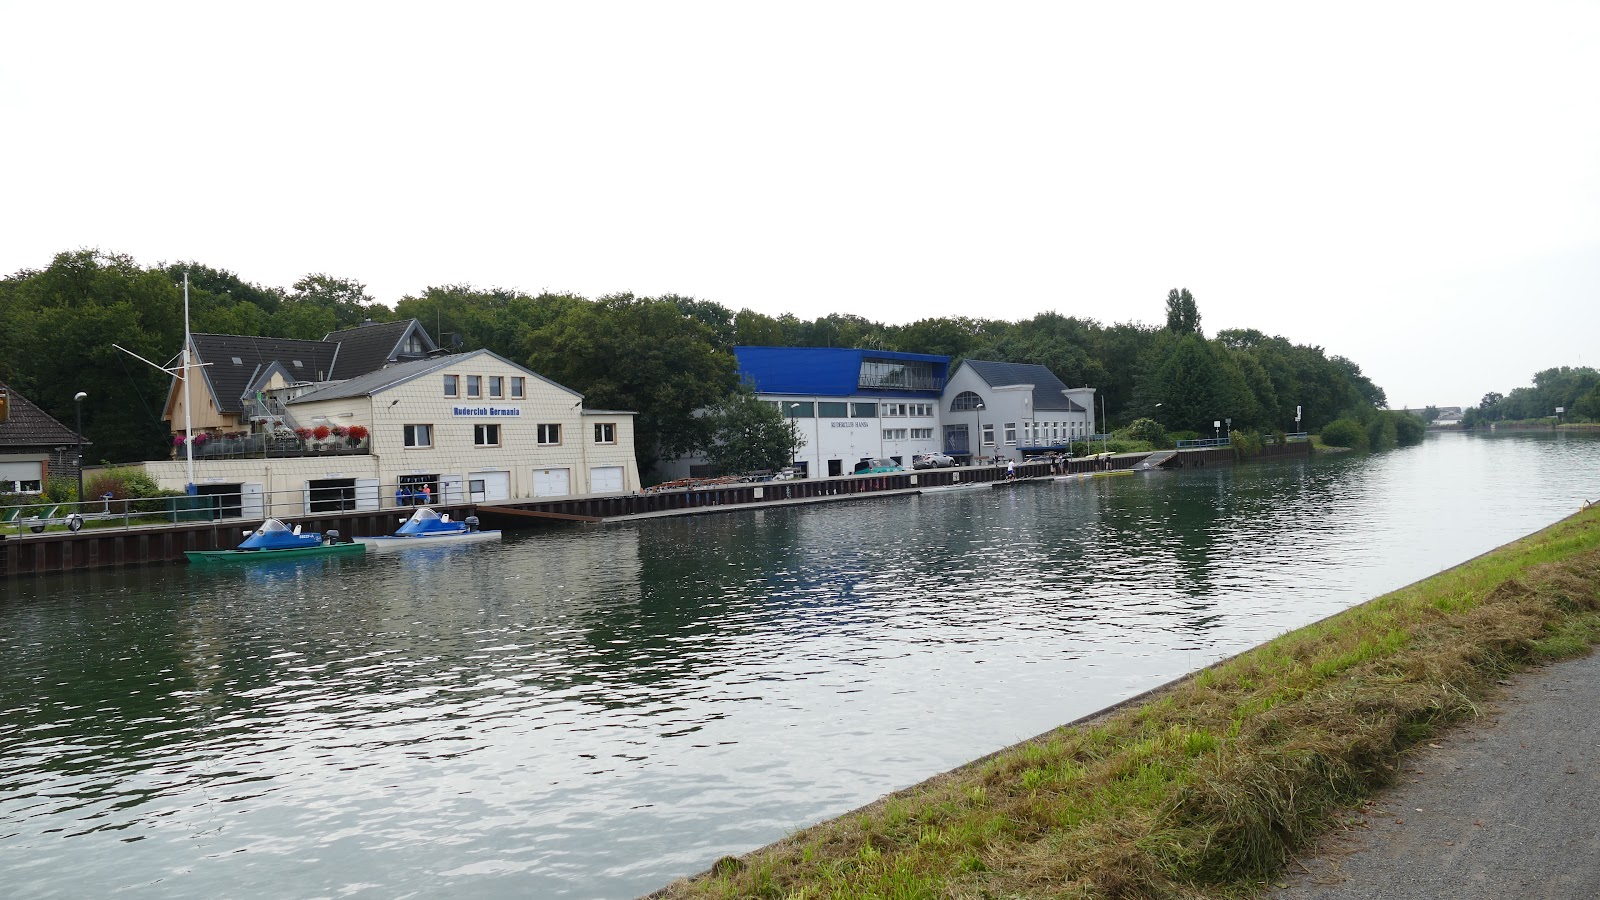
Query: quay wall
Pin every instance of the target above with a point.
(60, 551)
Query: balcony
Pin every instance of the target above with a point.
(263, 446)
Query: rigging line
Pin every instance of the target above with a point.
(135, 382)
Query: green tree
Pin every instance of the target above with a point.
(1183, 315)
(744, 434)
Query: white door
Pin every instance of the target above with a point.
(452, 488)
(367, 493)
(605, 480)
(306, 509)
(496, 485)
(250, 503)
(550, 482)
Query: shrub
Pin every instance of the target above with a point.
(1345, 433)
(1147, 430)
(123, 484)
(1246, 444)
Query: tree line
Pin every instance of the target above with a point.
(666, 357)
(1573, 389)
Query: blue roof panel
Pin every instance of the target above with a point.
(823, 371)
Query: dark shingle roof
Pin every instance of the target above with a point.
(368, 348)
(30, 426)
(1047, 387)
(305, 360)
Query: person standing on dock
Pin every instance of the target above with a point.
(1011, 469)
(427, 495)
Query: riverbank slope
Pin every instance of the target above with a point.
(1203, 788)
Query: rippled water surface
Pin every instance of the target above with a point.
(592, 713)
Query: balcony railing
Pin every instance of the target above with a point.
(263, 446)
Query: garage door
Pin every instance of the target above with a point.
(605, 480)
(550, 482)
(496, 485)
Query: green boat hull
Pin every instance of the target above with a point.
(247, 556)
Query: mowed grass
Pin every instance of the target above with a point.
(1205, 789)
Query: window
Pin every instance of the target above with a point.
(497, 387)
(414, 343)
(486, 435)
(605, 432)
(965, 400)
(831, 410)
(894, 434)
(474, 385)
(922, 434)
(1011, 432)
(549, 435)
(988, 435)
(905, 375)
(921, 409)
(20, 487)
(798, 410)
(894, 410)
(863, 410)
(518, 386)
(452, 385)
(419, 435)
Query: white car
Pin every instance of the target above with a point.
(933, 461)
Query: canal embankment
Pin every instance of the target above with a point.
(1206, 786)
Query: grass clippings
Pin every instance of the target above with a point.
(1207, 787)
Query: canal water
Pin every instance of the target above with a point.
(593, 713)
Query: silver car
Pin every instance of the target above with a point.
(933, 461)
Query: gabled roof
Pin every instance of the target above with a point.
(29, 426)
(235, 360)
(400, 373)
(370, 347)
(1047, 388)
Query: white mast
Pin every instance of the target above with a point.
(188, 433)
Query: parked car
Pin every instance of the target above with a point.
(876, 467)
(932, 461)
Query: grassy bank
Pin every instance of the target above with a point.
(1204, 788)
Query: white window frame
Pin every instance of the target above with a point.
(497, 387)
(988, 435)
(894, 434)
(518, 387)
(481, 432)
(547, 430)
(474, 386)
(605, 432)
(922, 434)
(411, 434)
(452, 385)
(1011, 434)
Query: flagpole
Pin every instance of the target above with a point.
(188, 433)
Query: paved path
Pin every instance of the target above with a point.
(1507, 807)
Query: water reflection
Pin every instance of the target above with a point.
(590, 713)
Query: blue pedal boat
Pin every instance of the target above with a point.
(276, 540)
(426, 528)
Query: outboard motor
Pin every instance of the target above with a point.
(331, 536)
(472, 523)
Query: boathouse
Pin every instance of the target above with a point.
(460, 428)
(1012, 411)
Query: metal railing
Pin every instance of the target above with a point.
(44, 517)
(1204, 443)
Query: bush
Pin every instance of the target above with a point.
(124, 484)
(1147, 430)
(1246, 444)
(1345, 433)
(1176, 436)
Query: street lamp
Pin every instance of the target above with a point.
(77, 405)
(1229, 432)
(794, 434)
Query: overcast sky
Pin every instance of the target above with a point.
(1414, 186)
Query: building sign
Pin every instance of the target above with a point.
(850, 424)
(483, 412)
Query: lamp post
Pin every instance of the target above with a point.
(794, 434)
(1229, 432)
(77, 406)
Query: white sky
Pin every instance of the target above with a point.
(1414, 186)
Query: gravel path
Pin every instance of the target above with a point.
(1507, 807)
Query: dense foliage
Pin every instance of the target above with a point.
(1573, 388)
(662, 357)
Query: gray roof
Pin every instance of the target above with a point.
(369, 347)
(28, 426)
(236, 359)
(400, 373)
(1047, 388)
